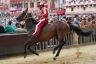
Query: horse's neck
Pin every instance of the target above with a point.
(29, 24)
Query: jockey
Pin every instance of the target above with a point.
(43, 21)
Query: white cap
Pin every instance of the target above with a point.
(41, 3)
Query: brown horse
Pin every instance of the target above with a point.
(57, 29)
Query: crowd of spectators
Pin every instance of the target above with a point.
(13, 28)
(85, 22)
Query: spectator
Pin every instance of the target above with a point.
(76, 21)
(10, 28)
(2, 30)
(83, 23)
(71, 19)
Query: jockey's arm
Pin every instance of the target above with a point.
(38, 18)
(44, 13)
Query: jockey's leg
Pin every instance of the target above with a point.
(39, 26)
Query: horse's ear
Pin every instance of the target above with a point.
(25, 10)
(21, 16)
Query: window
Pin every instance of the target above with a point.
(14, 5)
(31, 4)
(84, 8)
(52, 4)
(72, 9)
(91, 5)
(19, 5)
(25, 5)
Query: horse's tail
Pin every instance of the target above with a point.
(81, 32)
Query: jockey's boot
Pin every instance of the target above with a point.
(35, 37)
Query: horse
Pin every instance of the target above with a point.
(57, 29)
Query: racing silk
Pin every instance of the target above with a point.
(44, 21)
(44, 14)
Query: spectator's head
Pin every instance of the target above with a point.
(10, 23)
(71, 19)
(89, 19)
(93, 17)
(77, 16)
(17, 25)
(84, 19)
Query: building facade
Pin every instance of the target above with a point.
(71, 6)
(4, 5)
(80, 7)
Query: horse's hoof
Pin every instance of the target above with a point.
(54, 58)
(36, 53)
(25, 56)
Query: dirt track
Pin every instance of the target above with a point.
(81, 55)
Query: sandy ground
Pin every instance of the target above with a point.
(80, 55)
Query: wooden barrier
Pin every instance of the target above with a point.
(14, 43)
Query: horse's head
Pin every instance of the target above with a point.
(29, 21)
(27, 18)
(22, 15)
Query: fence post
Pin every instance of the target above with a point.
(75, 39)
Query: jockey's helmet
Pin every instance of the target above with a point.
(41, 3)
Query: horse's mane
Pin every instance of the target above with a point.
(30, 22)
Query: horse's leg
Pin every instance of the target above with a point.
(28, 45)
(54, 50)
(31, 50)
(25, 48)
(60, 47)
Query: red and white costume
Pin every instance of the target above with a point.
(44, 21)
